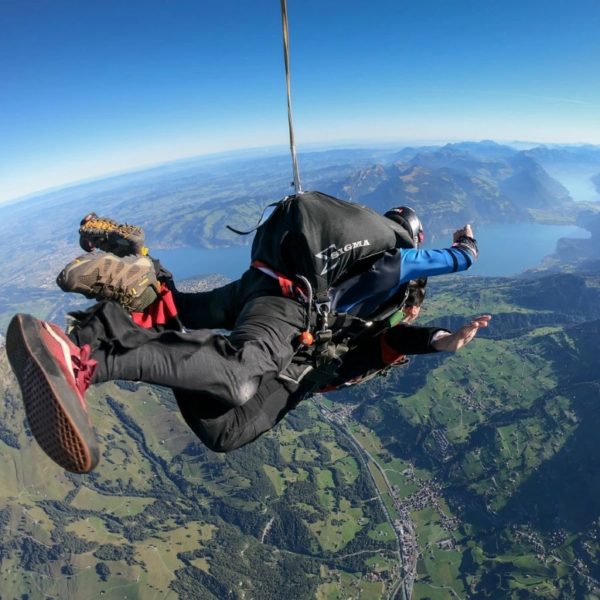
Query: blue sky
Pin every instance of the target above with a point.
(97, 86)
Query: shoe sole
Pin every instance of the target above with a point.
(56, 416)
(122, 243)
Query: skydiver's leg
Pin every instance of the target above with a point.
(218, 308)
(224, 429)
(229, 369)
(214, 309)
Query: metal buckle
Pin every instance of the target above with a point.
(323, 310)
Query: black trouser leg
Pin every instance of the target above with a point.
(109, 330)
(224, 429)
(229, 369)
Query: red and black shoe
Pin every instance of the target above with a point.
(53, 375)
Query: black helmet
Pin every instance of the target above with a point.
(407, 218)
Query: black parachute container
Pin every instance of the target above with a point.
(323, 239)
(317, 238)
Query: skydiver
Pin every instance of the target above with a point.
(54, 369)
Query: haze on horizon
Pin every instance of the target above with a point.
(93, 88)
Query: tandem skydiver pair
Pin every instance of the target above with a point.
(319, 307)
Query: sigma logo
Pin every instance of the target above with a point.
(332, 253)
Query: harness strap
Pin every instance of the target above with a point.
(338, 332)
(333, 321)
(288, 287)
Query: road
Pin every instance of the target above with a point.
(402, 586)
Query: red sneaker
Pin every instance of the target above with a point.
(53, 375)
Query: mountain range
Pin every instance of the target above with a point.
(471, 475)
(189, 203)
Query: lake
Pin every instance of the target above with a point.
(504, 250)
(191, 262)
(511, 249)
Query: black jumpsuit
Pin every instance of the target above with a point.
(214, 373)
(228, 387)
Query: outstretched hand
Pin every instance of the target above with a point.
(455, 341)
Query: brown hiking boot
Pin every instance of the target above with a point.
(104, 234)
(53, 375)
(129, 280)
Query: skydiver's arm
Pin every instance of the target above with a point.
(363, 294)
(375, 353)
(412, 339)
(424, 263)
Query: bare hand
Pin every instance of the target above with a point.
(465, 231)
(455, 341)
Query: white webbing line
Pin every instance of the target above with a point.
(286, 58)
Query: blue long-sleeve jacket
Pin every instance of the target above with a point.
(383, 285)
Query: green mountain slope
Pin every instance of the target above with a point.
(163, 517)
(503, 435)
(486, 460)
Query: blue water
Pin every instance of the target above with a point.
(192, 262)
(504, 250)
(512, 249)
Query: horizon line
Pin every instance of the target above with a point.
(276, 150)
